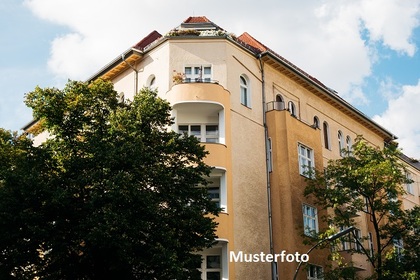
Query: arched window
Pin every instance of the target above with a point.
(348, 144)
(245, 92)
(151, 81)
(279, 105)
(316, 122)
(292, 108)
(326, 130)
(340, 142)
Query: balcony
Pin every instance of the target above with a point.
(204, 120)
(206, 91)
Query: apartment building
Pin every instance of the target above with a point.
(262, 119)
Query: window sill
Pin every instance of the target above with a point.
(246, 106)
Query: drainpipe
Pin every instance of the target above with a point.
(136, 74)
(274, 275)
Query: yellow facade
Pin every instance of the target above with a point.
(255, 112)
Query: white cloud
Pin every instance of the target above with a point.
(391, 22)
(402, 118)
(323, 37)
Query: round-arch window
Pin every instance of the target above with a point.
(151, 81)
(245, 92)
(292, 108)
(316, 122)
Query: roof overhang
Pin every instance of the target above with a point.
(126, 60)
(311, 84)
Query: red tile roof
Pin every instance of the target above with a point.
(251, 41)
(153, 36)
(196, 20)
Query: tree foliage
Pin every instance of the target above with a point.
(112, 194)
(366, 181)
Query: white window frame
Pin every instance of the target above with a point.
(345, 240)
(399, 247)
(151, 82)
(270, 155)
(371, 246)
(292, 108)
(198, 73)
(316, 122)
(217, 180)
(316, 273)
(409, 186)
(340, 142)
(349, 144)
(310, 219)
(358, 240)
(245, 91)
(306, 159)
(220, 250)
(204, 136)
(326, 132)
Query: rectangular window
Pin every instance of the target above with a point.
(270, 155)
(409, 186)
(371, 248)
(212, 133)
(306, 160)
(345, 240)
(358, 240)
(216, 188)
(398, 247)
(213, 189)
(310, 220)
(315, 272)
(204, 132)
(199, 73)
(214, 263)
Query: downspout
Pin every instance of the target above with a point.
(136, 74)
(274, 275)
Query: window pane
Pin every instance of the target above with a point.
(213, 275)
(212, 130)
(187, 70)
(212, 140)
(244, 96)
(213, 262)
(183, 129)
(243, 81)
(196, 130)
(207, 70)
(212, 133)
(197, 70)
(214, 193)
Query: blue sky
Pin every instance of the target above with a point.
(367, 50)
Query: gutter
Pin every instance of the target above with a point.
(136, 74)
(274, 275)
(327, 91)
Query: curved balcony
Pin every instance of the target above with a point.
(190, 92)
(218, 155)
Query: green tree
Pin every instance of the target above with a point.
(365, 180)
(406, 263)
(111, 195)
